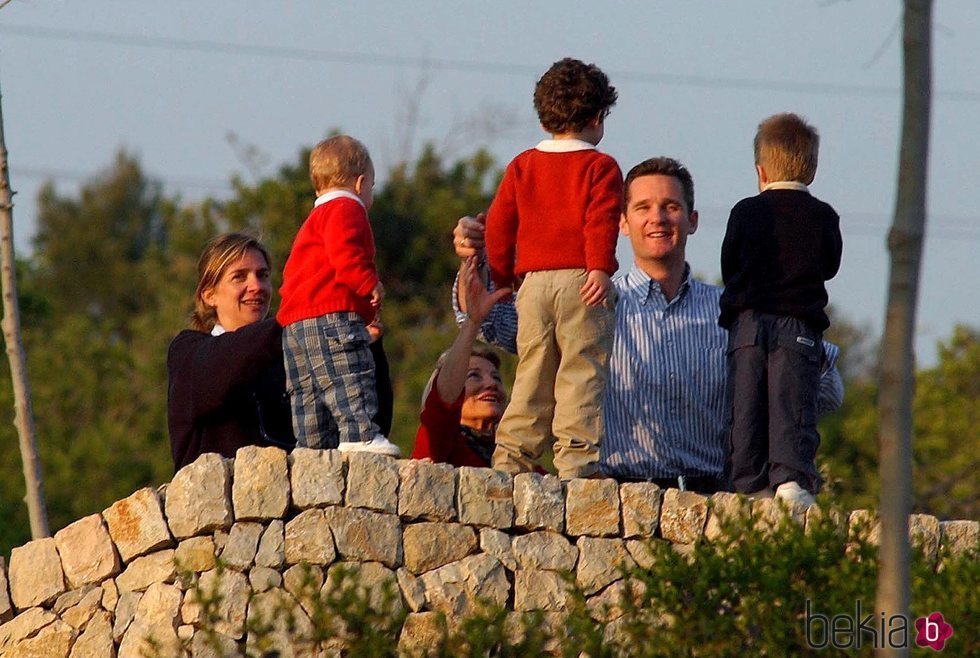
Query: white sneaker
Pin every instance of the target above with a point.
(793, 493)
(378, 445)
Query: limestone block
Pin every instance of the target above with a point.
(307, 538)
(924, 534)
(960, 536)
(426, 490)
(110, 595)
(231, 591)
(196, 554)
(96, 640)
(372, 482)
(610, 603)
(864, 525)
(69, 599)
(78, 615)
(431, 545)
(373, 581)
(725, 508)
(411, 588)
(87, 553)
(154, 627)
(243, 541)
(642, 551)
(263, 579)
(272, 547)
(144, 571)
(817, 516)
(260, 490)
(53, 641)
(592, 508)
(289, 627)
(459, 588)
(316, 477)
(36, 577)
(498, 544)
(136, 524)
(213, 645)
(539, 503)
(303, 582)
(366, 536)
(540, 590)
(420, 633)
(125, 612)
(682, 516)
(199, 497)
(601, 562)
(544, 550)
(6, 605)
(485, 497)
(771, 513)
(27, 624)
(641, 508)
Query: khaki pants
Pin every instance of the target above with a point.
(563, 350)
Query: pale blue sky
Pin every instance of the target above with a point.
(170, 81)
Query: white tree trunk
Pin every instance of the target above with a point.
(23, 417)
(898, 367)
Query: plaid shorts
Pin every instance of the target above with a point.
(330, 380)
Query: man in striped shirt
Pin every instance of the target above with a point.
(664, 408)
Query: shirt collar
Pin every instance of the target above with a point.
(217, 330)
(787, 185)
(336, 194)
(563, 145)
(643, 286)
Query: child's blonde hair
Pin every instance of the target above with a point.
(786, 146)
(337, 162)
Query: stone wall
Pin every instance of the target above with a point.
(109, 583)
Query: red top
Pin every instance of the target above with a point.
(555, 210)
(331, 264)
(439, 437)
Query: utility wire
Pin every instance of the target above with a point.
(462, 65)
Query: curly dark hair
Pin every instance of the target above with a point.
(571, 94)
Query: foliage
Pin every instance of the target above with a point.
(744, 594)
(945, 443)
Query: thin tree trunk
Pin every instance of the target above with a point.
(23, 417)
(897, 368)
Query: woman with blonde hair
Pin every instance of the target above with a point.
(226, 382)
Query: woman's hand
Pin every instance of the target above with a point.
(474, 298)
(468, 235)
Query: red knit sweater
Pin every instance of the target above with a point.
(553, 211)
(331, 264)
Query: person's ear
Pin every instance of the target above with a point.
(624, 227)
(207, 296)
(763, 176)
(358, 184)
(692, 219)
(597, 121)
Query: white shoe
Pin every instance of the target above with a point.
(791, 492)
(761, 494)
(378, 445)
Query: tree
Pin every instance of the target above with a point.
(23, 415)
(905, 247)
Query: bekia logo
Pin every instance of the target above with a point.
(846, 631)
(932, 631)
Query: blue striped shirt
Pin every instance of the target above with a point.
(664, 408)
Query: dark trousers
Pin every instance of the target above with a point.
(773, 379)
(382, 381)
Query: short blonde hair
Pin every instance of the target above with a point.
(337, 162)
(787, 146)
(218, 254)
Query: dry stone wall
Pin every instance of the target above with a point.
(109, 584)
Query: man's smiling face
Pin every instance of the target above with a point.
(657, 220)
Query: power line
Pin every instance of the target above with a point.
(462, 65)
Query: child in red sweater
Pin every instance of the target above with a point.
(330, 294)
(554, 222)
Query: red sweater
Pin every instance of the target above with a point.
(439, 437)
(331, 264)
(553, 211)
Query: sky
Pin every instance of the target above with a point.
(200, 91)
